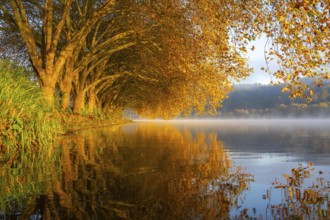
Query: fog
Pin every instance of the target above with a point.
(295, 122)
(305, 137)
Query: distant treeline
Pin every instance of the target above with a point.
(258, 100)
(267, 101)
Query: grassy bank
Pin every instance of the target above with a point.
(25, 120)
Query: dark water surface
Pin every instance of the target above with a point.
(176, 170)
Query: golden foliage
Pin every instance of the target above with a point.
(165, 58)
(299, 33)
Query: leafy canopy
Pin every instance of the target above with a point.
(164, 58)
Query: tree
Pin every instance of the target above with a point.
(93, 62)
(173, 55)
(187, 72)
(41, 27)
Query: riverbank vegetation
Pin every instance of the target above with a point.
(26, 120)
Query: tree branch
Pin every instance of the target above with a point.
(47, 27)
(60, 25)
(27, 35)
(106, 78)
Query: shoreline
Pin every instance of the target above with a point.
(85, 122)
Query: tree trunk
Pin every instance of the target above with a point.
(48, 89)
(79, 102)
(91, 101)
(65, 95)
(65, 90)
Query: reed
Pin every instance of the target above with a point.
(26, 122)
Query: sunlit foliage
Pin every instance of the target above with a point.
(163, 58)
(299, 42)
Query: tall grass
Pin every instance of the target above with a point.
(26, 122)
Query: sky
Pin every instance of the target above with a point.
(257, 60)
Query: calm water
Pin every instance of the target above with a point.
(176, 170)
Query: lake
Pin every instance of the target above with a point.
(180, 169)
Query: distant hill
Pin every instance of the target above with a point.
(256, 100)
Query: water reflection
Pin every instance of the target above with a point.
(295, 137)
(161, 171)
(25, 181)
(131, 172)
(301, 197)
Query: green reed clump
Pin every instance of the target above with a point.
(26, 122)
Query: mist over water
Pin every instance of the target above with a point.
(292, 121)
(268, 149)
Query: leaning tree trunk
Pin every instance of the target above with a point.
(45, 47)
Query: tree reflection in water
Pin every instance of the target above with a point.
(25, 181)
(303, 195)
(148, 173)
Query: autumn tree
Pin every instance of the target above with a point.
(164, 58)
(93, 64)
(42, 26)
(196, 67)
(185, 35)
